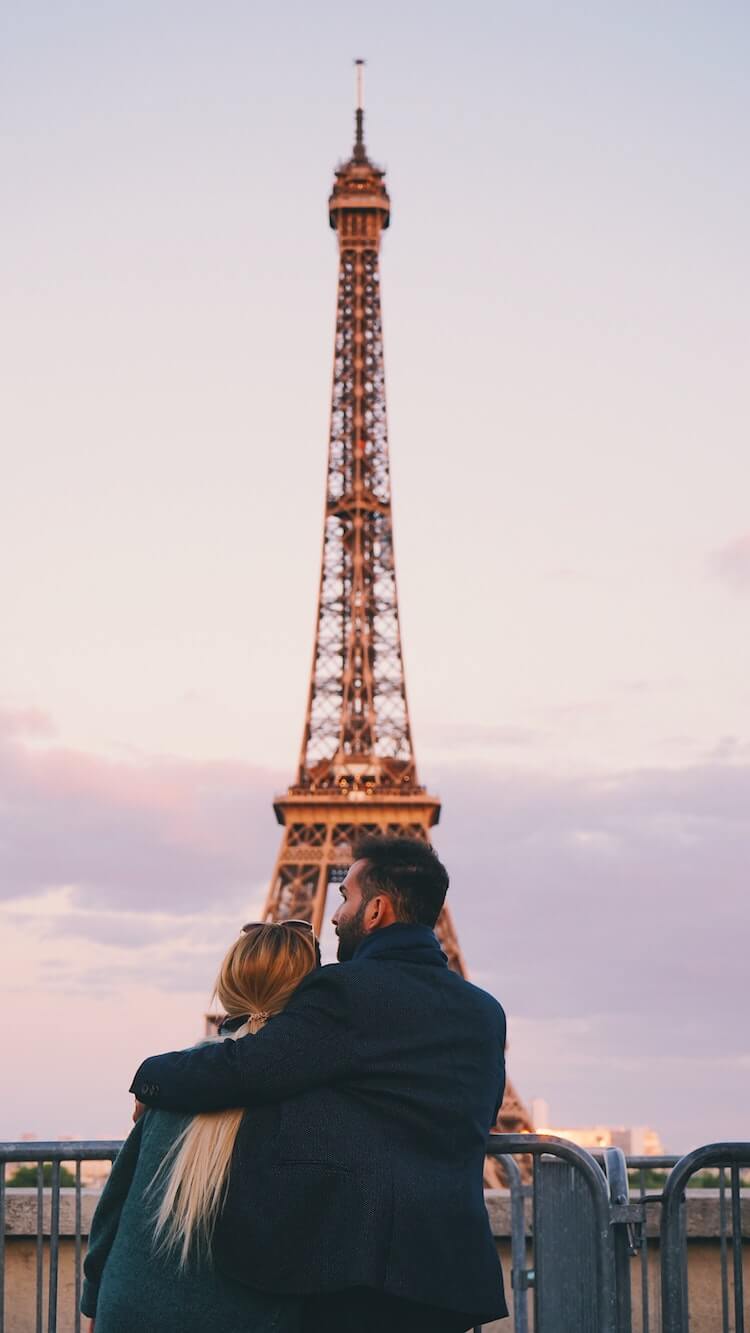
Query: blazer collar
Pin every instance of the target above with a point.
(403, 943)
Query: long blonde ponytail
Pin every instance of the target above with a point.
(257, 977)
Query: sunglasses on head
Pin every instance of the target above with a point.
(288, 921)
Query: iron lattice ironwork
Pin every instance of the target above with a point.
(357, 773)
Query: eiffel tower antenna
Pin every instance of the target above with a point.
(357, 771)
(359, 133)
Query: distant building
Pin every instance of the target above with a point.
(635, 1141)
(94, 1175)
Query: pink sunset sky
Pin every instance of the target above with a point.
(566, 291)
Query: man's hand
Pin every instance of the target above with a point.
(138, 1110)
(91, 1325)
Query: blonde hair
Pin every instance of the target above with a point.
(259, 974)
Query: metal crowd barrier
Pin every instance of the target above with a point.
(674, 1274)
(55, 1154)
(562, 1300)
(586, 1229)
(583, 1208)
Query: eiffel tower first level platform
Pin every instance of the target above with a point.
(357, 772)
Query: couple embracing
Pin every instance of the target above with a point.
(319, 1170)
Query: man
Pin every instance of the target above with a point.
(357, 1176)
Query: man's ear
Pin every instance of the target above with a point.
(372, 911)
(379, 912)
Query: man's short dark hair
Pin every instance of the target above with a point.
(409, 872)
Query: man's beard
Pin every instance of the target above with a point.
(351, 936)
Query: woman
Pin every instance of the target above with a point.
(149, 1264)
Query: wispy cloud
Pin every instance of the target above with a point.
(70, 950)
(26, 723)
(729, 749)
(731, 564)
(151, 835)
(450, 736)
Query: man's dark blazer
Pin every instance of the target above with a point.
(360, 1160)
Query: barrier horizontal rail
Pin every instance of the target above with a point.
(60, 1150)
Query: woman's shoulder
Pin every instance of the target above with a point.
(163, 1127)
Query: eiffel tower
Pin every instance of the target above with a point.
(357, 772)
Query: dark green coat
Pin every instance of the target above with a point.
(131, 1290)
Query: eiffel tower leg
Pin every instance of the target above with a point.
(321, 892)
(296, 881)
(446, 933)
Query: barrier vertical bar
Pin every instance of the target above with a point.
(2, 1245)
(54, 1247)
(77, 1316)
(684, 1259)
(39, 1244)
(517, 1245)
(739, 1303)
(723, 1258)
(643, 1256)
(616, 1170)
